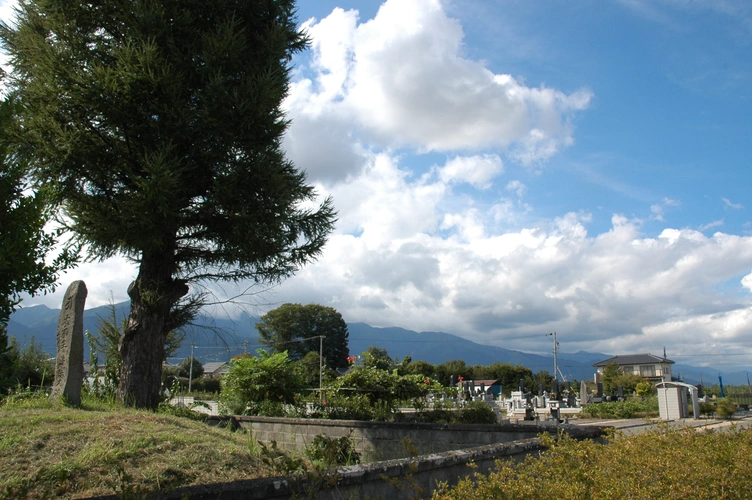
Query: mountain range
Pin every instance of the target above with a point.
(218, 339)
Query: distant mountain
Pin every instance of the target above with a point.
(219, 339)
(438, 347)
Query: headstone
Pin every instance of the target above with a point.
(522, 385)
(69, 363)
(599, 389)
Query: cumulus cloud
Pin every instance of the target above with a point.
(401, 80)
(478, 171)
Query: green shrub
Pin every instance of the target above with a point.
(725, 408)
(707, 409)
(476, 412)
(260, 383)
(662, 463)
(631, 408)
(332, 451)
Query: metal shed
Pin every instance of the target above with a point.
(673, 399)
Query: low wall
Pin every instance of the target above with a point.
(377, 441)
(415, 477)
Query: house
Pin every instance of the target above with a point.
(216, 369)
(654, 368)
(481, 386)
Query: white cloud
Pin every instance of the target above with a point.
(734, 206)
(516, 187)
(478, 171)
(401, 78)
(710, 225)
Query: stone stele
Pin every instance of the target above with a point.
(69, 363)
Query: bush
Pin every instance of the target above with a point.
(631, 408)
(707, 409)
(263, 383)
(664, 463)
(332, 451)
(476, 412)
(726, 408)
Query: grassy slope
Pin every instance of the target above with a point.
(48, 449)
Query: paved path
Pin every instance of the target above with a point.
(636, 425)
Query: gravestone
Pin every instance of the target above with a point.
(69, 362)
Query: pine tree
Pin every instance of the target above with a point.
(158, 125)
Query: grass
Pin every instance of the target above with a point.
(49, 449)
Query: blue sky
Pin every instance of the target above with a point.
(504, 169)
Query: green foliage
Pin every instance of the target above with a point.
(25, 209)
(476, 412)
(287, 327)
(184, 368)
(630, 408)
(423, 368)
(181, 411)
(157, 127)
(707, 409)
(332, 451)
(644, 388)
(611, 372)
(308, 368)
(280, 461)
(725, 408)
(260, 385)
(663, 463)
(368, 393)
(377, 358)
(31, 366)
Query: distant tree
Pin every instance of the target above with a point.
(159, 127)
(308, 367)
(296, 328)
(421, 368)
(610, 378)
(455, 368)
(184, 368)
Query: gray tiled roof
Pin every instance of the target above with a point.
(634, 359)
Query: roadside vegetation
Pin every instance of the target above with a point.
(663, 463)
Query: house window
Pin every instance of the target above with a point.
(647, 370)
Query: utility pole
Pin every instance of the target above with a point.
(321, 365)
(190, 370)
(556, 350)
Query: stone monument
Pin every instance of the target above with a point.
(69, 363)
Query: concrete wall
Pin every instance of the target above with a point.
(414, 477)
(377, 441)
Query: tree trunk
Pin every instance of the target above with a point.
(153, 295)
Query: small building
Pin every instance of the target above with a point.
(673, 400)
(653, 368)
(216, 369)
(481, 386)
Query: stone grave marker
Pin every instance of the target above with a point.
(69, 362)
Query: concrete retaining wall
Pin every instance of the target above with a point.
(414, 477)
(387, 440)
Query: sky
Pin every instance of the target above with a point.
(506, 169)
